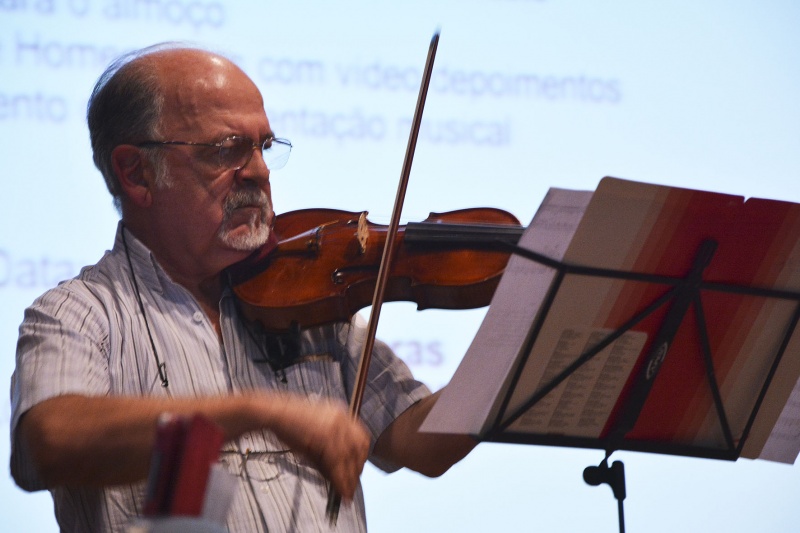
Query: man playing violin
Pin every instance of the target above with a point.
(186, 149)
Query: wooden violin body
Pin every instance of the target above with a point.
(325, 264)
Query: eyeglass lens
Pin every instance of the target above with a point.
(235, 152)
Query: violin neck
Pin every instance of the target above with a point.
(430, 233)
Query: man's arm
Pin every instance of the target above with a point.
(80, 440)
(431, 454)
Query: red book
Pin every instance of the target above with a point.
(201, 446)
(167, 448)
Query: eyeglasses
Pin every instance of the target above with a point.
(236, 151)
(258, 466)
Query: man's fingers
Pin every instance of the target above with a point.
(345, 457)
(326, 435)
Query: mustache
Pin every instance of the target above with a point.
(246, 197)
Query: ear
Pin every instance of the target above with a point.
(134, 172)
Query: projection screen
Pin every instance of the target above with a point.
(526, 95)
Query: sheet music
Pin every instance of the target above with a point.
(580, 405)
(471, 397)
(775, 436)
(783, 443)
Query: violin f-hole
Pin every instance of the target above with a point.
(338, 275)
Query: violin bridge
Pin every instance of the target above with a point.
(362, 234)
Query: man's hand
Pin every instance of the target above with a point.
(324, 433)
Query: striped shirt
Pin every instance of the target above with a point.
(87, 336)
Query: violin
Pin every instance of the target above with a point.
(323, 264)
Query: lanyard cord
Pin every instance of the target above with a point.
(162, 367)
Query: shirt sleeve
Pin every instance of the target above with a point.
(62, 349)
(390, 389)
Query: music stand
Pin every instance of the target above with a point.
(680, 294)
(662, 327)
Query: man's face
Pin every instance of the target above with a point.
(205, 206)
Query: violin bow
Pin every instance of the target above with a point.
(334, 499)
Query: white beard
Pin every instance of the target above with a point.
(258, 228)
(258, 225)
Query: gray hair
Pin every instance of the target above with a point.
(125, 108)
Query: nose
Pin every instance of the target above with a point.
(255, 170)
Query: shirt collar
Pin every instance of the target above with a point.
(144, 263)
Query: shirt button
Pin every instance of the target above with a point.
(197, 316)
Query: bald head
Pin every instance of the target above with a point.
(144, 90)
(185, 67)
